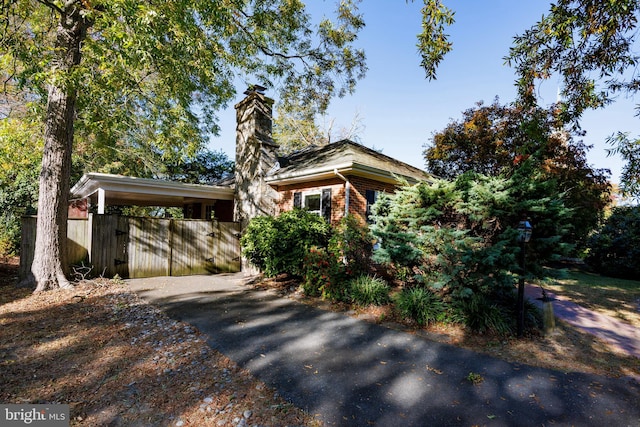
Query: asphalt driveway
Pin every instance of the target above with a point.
(354, 373)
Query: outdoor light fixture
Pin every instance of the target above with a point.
(525, 229)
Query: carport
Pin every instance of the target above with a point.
(197, 201)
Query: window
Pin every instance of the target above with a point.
(314, 201)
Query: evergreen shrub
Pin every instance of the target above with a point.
(459, 239)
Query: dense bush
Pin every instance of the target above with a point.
(351, 242)
(279, 244)
(368, 290)
(458, 239)
(324, 275)
(18, 197)
(615, 249)
(328, 270)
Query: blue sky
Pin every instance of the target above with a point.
(400, 110)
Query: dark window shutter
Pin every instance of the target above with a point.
(371, 196)
(297, 200)
(325, 206)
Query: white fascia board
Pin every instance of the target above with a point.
(90, 183)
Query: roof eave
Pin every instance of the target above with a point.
(351, 168)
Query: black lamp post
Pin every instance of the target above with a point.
(525, 229)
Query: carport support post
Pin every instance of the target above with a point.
(101, 201)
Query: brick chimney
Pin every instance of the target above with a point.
(255, 156)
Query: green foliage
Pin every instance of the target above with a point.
(475, 378)
(433, 44)
(496, 140)
(420, 305)
(481, 314)
(598, 39)
(205, 167)
(351, 243)
(144, 68)
(328, 270)
(20, 152)
(458, 240)
(615, 249)
(324, 275)
(279, 244)
(368, 290)
(294, 126)
(629, 150)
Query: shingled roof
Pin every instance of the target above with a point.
(345, 157)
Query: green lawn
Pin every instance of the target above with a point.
(618, 298)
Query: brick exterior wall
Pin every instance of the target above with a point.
(359, 185)
(357, 198)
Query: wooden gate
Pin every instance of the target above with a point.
(201, 247)
(130, 247)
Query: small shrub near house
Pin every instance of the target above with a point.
(279, 244)
(324, 275)
(328, 270)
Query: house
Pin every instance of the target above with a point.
(332, 180)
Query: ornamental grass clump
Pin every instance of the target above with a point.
(420, 305)
(368, 290)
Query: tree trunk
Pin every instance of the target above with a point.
(49, 269)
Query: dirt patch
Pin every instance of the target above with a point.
(118, 361)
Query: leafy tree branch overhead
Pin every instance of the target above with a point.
(123, 72)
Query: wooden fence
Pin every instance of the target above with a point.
(144, 247)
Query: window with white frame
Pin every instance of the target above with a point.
(313, 202)
(316, 201)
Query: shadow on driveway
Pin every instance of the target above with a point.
(353, 373)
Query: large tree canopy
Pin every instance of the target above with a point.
(130, 74)
(592, 45)
(496, 139)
